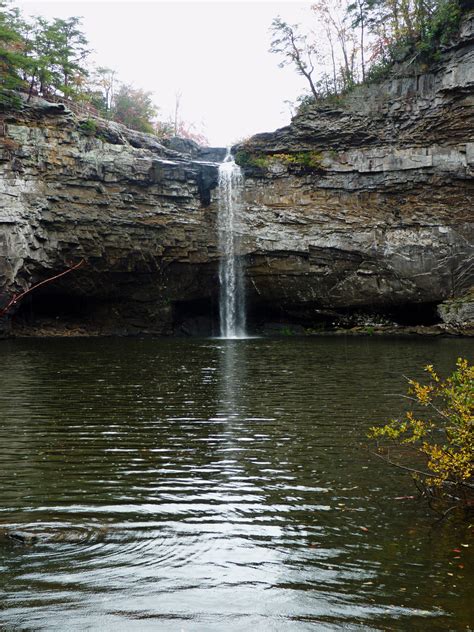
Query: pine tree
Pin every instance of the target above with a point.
(12, 58)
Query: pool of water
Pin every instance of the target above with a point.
(218, 485)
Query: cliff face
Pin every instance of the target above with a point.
(379, 211)
(137, 213)
(365, 203)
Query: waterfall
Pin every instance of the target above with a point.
(231, 278)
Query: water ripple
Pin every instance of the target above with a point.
(203, 485)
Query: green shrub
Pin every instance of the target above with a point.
(9, 100)
(445, 23)
(246, 158)
(379, 71)
(302, 159)
(88, 127)
(309, 160)
(305, 102)
(441, 29)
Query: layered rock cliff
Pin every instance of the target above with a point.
(138, 213)
(368, 200)
(364, 203)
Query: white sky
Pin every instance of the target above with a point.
(214, 53)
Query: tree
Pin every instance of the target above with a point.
(390, 30)
(176, 126)
(295, 49)
(407, 21)
(442, 440)
(39, 47)
(69, 52)
(101, 89)
(360, 12)
(12, 59)
(332, 14)
(191, 132)
(163, 129)
(52, 55)
(177, 104)
(134, 108)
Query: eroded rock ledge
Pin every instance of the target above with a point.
(139, 213)
(361, 206)
(368, 201)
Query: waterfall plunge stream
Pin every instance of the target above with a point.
(231, 277)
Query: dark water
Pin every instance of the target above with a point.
(212, 485)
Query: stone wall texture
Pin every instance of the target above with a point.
(383, 216)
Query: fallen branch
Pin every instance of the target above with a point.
(19, 297)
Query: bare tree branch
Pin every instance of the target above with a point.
(19, 297)
(413, 470)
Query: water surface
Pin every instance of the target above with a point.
(218, 485)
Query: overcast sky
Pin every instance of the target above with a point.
(214, 53)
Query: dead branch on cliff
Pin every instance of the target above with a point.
(18, 297)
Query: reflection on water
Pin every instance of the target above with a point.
(232, 381)
(212, 484)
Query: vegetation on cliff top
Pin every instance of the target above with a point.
(359, 41)
(353, 41)
(51, 59)
(306, 161)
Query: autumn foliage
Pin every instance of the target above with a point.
(439, 433)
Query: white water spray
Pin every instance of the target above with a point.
(231, 278)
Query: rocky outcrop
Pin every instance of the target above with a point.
(418, 107)
(367, 201)
(193, 151)
(137, 212)
(361, 204)
(458, 313)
